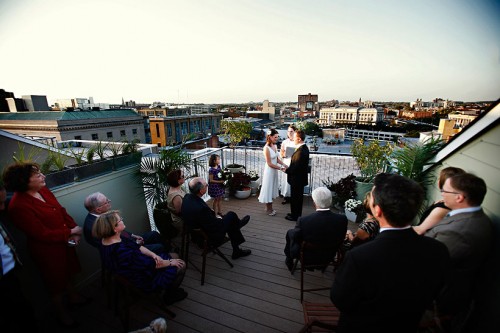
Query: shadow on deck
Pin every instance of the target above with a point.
(258, 295)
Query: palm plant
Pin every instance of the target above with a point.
(153, 172)
(411, 160)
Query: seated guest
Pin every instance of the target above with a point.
(367, 230)
(467, 233)
(96, 204)
(438, 210)
(405, 271)
(322, 228)
(197, 214)
(16, 308)
(144, 269)
(175, 179)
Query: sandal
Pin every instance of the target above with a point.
(272, 213)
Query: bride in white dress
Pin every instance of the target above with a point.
(270, 183)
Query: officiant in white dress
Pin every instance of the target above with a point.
(270, 183)
(286, 157)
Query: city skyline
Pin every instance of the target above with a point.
(237, 52)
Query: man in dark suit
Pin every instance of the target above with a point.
(297, 175)
(385, 285)
(197, 214)
(467, 233)
(322, 228)
(96, 204)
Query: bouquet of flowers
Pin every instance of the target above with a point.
(253, 175)
(225, 175)
(353, 205)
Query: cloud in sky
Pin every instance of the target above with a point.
(215, 51)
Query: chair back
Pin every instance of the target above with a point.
(163, 221)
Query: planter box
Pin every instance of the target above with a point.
(350, 215)
(94, 169)
(58, 178)
(237, 169)
(126, 160)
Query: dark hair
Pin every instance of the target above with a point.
(398, 197)
(17, 176)
(212, 160)
(271, 132)
(292, 127)
(104, 226)
(301, 134)
(447, 173)
(173, 177)
(473, 187)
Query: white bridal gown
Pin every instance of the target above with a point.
(270, 184)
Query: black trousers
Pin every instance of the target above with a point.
(232, 227)
(296, 200)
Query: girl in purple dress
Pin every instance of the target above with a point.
(215, 183)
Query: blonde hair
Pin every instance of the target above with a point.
(105, 225)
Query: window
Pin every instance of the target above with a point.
(157, 130)
(109, 135)
(134, 131)
(169, 129)
(95, 137)
(122, 133)
(78, 137)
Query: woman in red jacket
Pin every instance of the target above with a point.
(51, 233)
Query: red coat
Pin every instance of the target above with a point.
(47, 227)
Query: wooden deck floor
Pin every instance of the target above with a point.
(258, 295)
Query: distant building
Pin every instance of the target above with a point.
(172, 130)
(308, 105)
(266, 112)
(105, 125)
(350, 115)
(80, 103)
(416, 114)
(36, 102)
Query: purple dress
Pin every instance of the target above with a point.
(215, 190)
(125, 259)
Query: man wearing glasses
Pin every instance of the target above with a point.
(96, 204)
(467, 232)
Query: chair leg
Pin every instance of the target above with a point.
(294, 266)
(301, 282)
(203, 267)
(220, 254)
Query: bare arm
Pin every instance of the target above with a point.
(267, 155)
(177, 203)
(436, 215)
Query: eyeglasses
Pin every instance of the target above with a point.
(120, 220)
(451, 192)
(291, 131)
(105, 203)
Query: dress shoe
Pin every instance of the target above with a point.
(175, 295)
(244, 220)
(290, 218)
(286, 201)
(240, 253)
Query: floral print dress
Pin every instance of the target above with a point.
(216, 190)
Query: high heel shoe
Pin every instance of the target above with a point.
(272, 213)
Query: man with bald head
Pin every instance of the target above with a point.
(197, 214)
(97, 204)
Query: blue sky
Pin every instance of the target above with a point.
(207, 51)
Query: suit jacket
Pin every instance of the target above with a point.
(299, 167)
(323, 228)
(468, 237)
(47, 227)
(197, 214)
(386, 284)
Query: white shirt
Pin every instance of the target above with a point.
(464, 210)
(8, 261)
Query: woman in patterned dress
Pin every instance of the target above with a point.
(367, 230)
(215, 183)
(144, 269)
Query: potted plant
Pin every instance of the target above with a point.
(342, 190)
(54, 167)
(254, 181)
(239, 185)
(235, 131)
(372, 159)
(354, 210)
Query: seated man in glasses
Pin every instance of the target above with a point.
(467, 233)
(197, 214)
(97, 204)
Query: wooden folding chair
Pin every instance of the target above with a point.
(322, 316)
(307, 246)
(202, 240)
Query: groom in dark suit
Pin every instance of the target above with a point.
(386, 284)
(297, 175)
